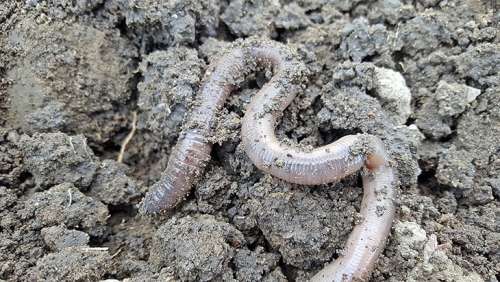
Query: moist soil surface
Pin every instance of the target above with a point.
(76, 77)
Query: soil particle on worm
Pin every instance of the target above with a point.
(72, 73)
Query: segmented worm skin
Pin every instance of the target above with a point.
(367, 240)
(192, 152)
(322, 165)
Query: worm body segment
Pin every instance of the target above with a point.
(322, 165)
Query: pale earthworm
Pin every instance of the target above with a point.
(322, 165)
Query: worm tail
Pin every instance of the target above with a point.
(185, 165)
(367, 240)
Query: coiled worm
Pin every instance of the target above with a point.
(322, 165)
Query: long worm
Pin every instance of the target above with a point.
(322, 165)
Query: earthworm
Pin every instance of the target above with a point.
(322, 165)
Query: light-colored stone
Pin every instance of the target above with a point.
(411, 239)
(453, 98)
(391, 89)
(431, 261)
(437, 266)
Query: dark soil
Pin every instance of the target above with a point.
(423, 75)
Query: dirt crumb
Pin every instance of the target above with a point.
(246, 18)
(172, 22)
(64, 204)
(73, 264)
(171, 81)
(55, 158)
(112, 186)
(58, 237)
(394, 95)
(202, 248)
(255, 266)
(435, 118)
(285, 216)
(60, 62)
